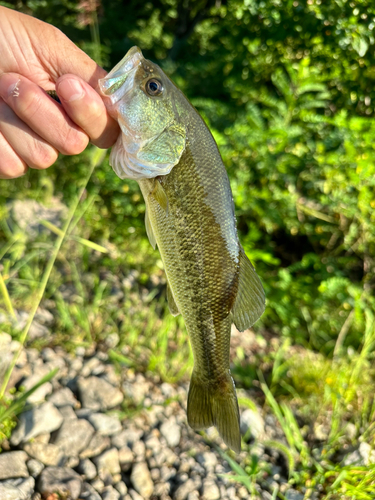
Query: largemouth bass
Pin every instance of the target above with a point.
(167, 148)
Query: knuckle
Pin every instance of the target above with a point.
(44, 156)
(74, 143)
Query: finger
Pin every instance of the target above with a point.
(11, 165)
(32, 149)
(86, 108)
(42, 114)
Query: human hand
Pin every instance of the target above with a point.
(33, 127)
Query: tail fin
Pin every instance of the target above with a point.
(215, 404)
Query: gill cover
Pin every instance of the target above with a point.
(152, 137)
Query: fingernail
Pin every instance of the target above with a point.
(70, 90)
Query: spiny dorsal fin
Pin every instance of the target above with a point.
(150, 231)
(160, 196)
(171, 302)
(250, 300)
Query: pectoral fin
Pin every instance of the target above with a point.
(171, 302)
(250, 300)
(160, 196)
(150, 231)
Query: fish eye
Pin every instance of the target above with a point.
(154, 87)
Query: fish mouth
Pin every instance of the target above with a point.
(119, 80)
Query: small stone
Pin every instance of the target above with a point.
(183, 491)
(210, 491)
(35, 467)
(106, 425)
(97, 394)
(167, 390)
(72, 462)
(141, 479)
(194, 495)
(112, 340)
(207, 459)
(134, 495)
(13, 464)
(43, 419)
(98, 485)
(88, 493)
(38, 331)
(108, 463)
(109, 493)
(63, 397)
(367, 453)
(121, 488)
(139, 449)
(292, 494)
(67, 412)
(44, 317)
(87, 468)
(96, 446)
(125, 455)
(73, 436)
(171, 432)
(48, 454)
(17, 489)
(137, 389)
(252, 420)
(127, 437)
(60, 480)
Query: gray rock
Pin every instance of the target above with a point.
(44, 390)
(87, 468)
(137, 389)
(89, 493)
(38, 331)
(96, 446)
(28, 214)
(13, 464)
(210, 490)
(367, 452)
(73, 436)
(207, 459)
(63, 397)
(167, 390)
(252, 420)
(171, 432)
(109, 493)
(108, 463)
(106, 425)
(292, 494)
(17, 489)
(183, 491)
(141, 479)
(60, 480)
(68, 413)
(47, 453)
(43, 419)
(35, 467)
(97, 394)
(127, 437)
(44, 316)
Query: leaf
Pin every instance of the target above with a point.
(360, 45)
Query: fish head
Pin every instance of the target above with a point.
(143, 100)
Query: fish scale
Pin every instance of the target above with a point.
(190, 217)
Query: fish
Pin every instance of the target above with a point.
(165, 146)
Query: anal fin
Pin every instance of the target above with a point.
(173, 308)
(249, 304)
(150, 231)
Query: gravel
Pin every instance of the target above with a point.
(76, 442)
